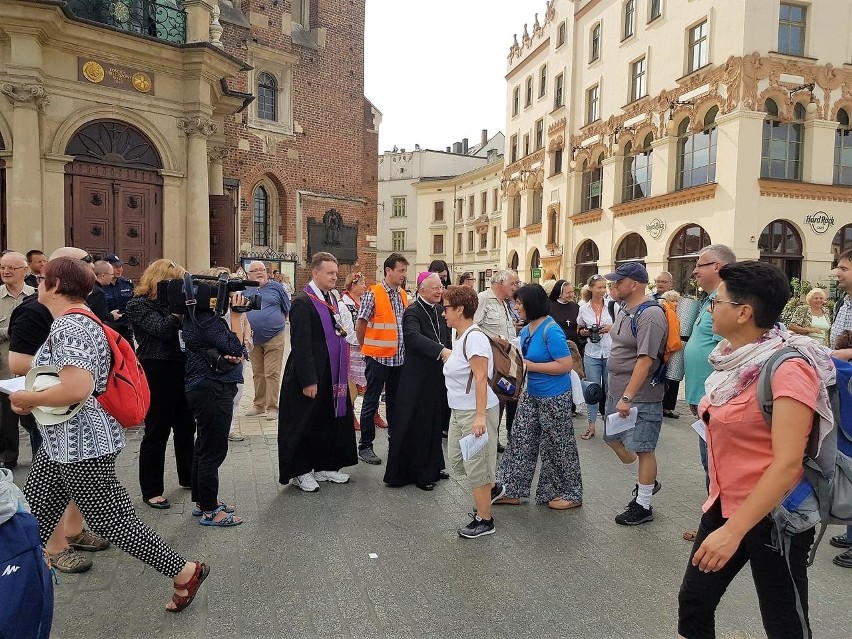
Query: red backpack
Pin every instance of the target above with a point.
(127, 396)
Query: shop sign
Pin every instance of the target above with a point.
(114, 76)
(655, 228)
(536, 273)
(819, 222)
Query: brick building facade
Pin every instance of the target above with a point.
(309, 140)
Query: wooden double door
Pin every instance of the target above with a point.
(115, 210)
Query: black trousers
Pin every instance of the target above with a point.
(169, 413)
(9, 435)
(378, 376)
(212, 404)
(670, 398)
(701, 592)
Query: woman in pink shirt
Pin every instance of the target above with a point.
(752, 466)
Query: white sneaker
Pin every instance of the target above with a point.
(333, 476)
(306, 482)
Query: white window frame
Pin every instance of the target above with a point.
(396, 210)
(398, 240)
(628, 19)
(593, 108)
(638, 78)
(703, 44)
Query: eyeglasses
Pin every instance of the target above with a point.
(715, 301)
(705, 264)
(446, 306)
(88, 259)
(11, 268)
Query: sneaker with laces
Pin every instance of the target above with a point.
(367, 455)
(477, 528)
(306, 482)
(88, 541)
(498, 491)
(69, 561)
(334, 476)
(635, 515)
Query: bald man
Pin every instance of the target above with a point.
(13, 270)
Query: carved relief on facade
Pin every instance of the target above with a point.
(527, 39)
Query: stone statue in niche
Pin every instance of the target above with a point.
(333, 222)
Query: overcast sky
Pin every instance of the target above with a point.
(436, 69)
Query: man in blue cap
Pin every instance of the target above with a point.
(118, 293)
(638, 341)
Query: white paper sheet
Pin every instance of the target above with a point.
(471, 444)
(12, 385)
(701, 429)
(616, 424)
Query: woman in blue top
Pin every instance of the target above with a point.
(543, 422)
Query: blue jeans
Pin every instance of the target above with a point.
(595, 368)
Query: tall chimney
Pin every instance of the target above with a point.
(464, 146)
(484, 137)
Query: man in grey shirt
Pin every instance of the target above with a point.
(495, 315)
(633, 360)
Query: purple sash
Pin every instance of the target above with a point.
(338, 353)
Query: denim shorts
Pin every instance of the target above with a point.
(644, 436)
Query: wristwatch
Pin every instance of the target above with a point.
(626, 399)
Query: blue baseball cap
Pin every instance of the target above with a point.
(634, 270)
(115, 260)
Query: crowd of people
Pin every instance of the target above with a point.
(430, 357)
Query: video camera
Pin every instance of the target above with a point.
(184, 296)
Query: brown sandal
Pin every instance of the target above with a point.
(191, 586)
(563, 504)
(690, 535)
(590, 432)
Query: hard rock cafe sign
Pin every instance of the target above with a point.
(655, 228)
(819, 222)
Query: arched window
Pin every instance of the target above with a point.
(587, 262)
(843, 149)
(552, 230)
(514, 261)
(261, 217)
(267, 97)
(696, 152)
(783, 144)
(592, 182)
(631, 249)
(537, 204)
(842, 242)
(637, 170)
(683, 255)
(781, 245)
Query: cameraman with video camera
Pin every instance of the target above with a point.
(214, 356)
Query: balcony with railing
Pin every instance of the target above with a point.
(164, 20)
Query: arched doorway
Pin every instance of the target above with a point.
(842, 242)
(683, 256)
(780, 244)
(535, 263)
(586, 263)
(114, 194)
(3, 197)
(632, 248)
(514, 261)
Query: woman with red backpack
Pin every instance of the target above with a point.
(81, 440)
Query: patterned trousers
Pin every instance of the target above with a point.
(104, 502)
(542, 425)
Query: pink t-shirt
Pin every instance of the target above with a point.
(739, 441)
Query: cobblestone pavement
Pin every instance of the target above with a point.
(363, 560)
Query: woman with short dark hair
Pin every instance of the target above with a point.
(753, 465)
(543, 422)
(77, 457)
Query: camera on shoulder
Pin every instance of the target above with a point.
(196, 292)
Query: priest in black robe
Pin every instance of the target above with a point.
(316, 434)
(416, 455)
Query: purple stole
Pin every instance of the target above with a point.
(338, 353)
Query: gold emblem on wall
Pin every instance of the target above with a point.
(141, 82)
(93, 72)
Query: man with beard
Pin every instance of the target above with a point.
(415, 449)
(316, 434)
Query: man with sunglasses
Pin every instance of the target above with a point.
(703, 340)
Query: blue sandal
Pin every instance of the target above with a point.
(208, 519)
(196, 512)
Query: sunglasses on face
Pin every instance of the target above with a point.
(88, 259)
